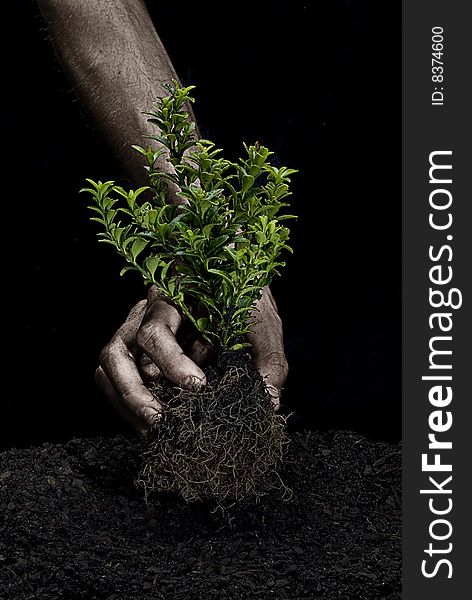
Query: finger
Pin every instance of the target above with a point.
(156, 338)
(266, 339)
(116, 401)
(137, 312)
(127, 332)
(150, 370)
(119, 366)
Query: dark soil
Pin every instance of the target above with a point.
(73, 526)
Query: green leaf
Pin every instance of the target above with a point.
(247, 182)
(127, 268)
(151, 264)
(138, 246)
(202, 323)
(241, 346)
(164, 271)
(223, 275)
(218, 249)
(240, 311)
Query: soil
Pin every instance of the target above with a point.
(73, 526)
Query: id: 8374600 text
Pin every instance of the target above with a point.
(437, 66)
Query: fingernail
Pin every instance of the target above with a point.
(193, 382)
(274, 394)
(151, 416)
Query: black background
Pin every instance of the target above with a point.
(319, 83)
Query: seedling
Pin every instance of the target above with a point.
(210, 255)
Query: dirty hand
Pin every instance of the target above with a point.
(146, 345)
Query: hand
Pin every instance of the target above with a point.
(267, 344)
(146, 346)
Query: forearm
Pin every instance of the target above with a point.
(116, 62)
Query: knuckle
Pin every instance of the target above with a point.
(276, 359)
(145, 333)
(128, 397)
(105, 354)
(282, 362)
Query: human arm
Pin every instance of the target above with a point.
(116, 63)
(146, 345)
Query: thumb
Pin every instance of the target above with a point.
(266, 339)
(156, 338)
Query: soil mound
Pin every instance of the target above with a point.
(73, 526)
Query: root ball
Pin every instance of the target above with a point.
(221, 443)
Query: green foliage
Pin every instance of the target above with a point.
(212, 255)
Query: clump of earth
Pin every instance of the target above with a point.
(221, 442)
(73, 526)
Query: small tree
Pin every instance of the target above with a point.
(212, 255)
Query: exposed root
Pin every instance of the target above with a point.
(222, 443)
